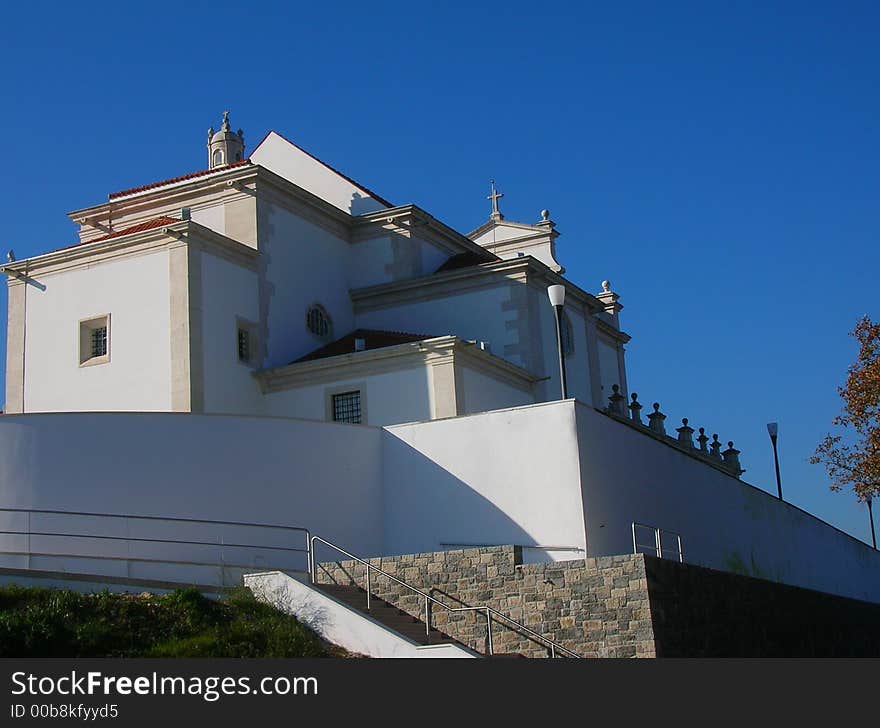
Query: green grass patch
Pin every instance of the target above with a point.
(37, 622)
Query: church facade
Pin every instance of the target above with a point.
(274, 285)
(269, 343)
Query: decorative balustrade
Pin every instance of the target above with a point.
(704, 448)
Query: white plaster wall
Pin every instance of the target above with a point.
(391, 258)
(485, 314)
(504, 477)
(135, 292)
(724, 523)
(289, 161)
(304, 264)
(339, 623)
(322, 476)
(481, 392)
(390, 397)
(211, 216)
(228, 292)
(609, 368)
(577, 365)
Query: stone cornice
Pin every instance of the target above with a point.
(536, 229)
(419, 223)
(140, 243)
(613, 333)
(146, 198)
(525, 269)
(439, 350)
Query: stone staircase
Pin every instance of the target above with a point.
(394, 618)
(387, 614)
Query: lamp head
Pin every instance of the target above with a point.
(773, 429)
(557, 294)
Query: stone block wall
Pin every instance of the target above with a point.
(621, 606)
(699, 612)
(594, 607)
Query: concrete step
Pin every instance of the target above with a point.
(387, 614)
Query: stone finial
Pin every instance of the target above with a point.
(731, 459)
(210, 133)
(546, 222)
(655, 420)
(635, 409)
(715, 448)
(616, 402)
(685, 434)
(702, 439)
(611, 303)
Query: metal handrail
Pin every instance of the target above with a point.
(658, 540)
(174, 519)
(309, 551)
(490, 612)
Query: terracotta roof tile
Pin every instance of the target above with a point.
(466, 260)
(140, 227)
(372, 338)
(181, 178)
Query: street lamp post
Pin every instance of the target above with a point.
(557, 298)
(773, 431)
(871, 516)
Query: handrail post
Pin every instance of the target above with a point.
(635, 544)
(659, 543)
(309, 556)
(369, 587)
(427, 619)
(489, 631)
(552, 651)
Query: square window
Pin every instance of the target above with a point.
(347, 407)
(94, 340)
(246, 344)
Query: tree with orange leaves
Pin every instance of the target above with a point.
(852, 458)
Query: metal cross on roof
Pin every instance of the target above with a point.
(495, 196)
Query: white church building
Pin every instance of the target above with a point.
(230, 356)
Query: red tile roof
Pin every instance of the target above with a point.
(139, 228)
(149, 225)
(467, 260)
(181, 178)
(372, 338)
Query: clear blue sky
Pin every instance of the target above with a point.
(717, 161)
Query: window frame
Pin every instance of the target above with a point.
(242, 324)
(328, 336)
(331, 392)
(85, 329)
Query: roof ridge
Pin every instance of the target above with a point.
(179, 178)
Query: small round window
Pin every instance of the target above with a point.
(318, 322)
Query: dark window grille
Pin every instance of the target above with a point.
(347, 407)
(99, 341)
(244, 345)
(318, 322)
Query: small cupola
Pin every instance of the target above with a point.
(225, 146)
